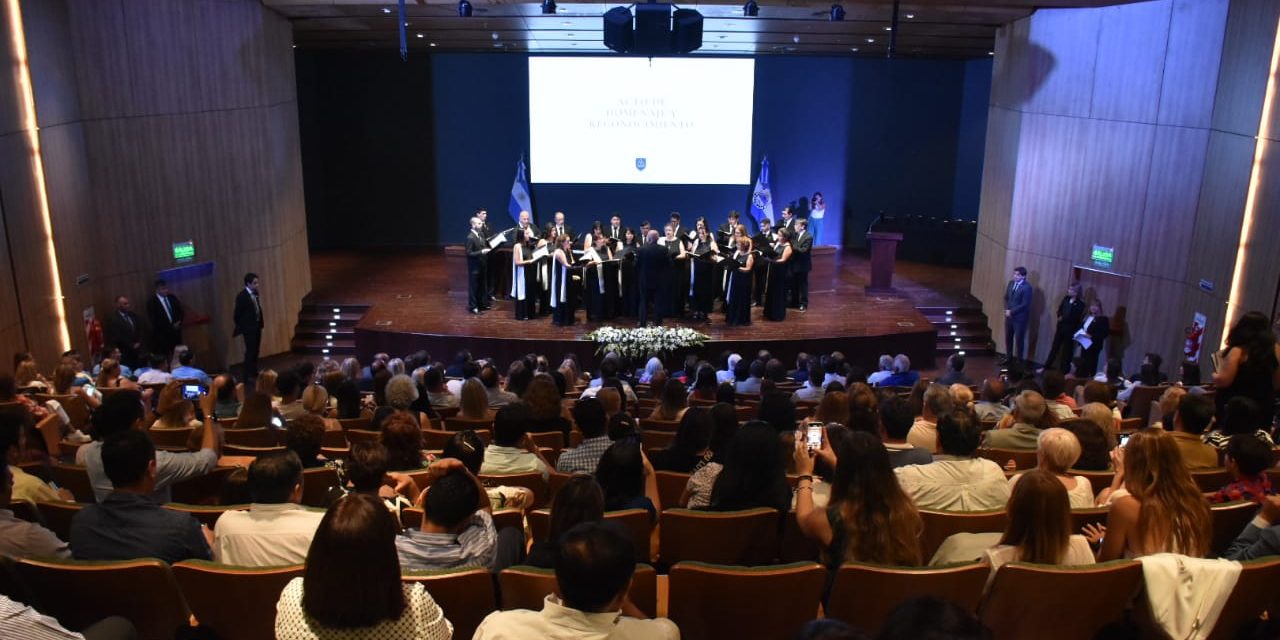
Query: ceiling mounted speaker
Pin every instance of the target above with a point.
(653, 29)
(686, 31)
(619, 34)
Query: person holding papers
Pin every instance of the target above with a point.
(777, 273)
(477, 267)
(524, 283)
(762, 243)
(737, 297)
(673, 293)
(628, 287)
(542, 266)
(595, 293)
(562, 293)
(702, 274)
(1092, 333)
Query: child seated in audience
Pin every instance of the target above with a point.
(365, 471)
(1247, 461)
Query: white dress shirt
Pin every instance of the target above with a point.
(558, 621)
(267, 535)
(951, 483)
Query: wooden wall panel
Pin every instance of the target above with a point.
(1196, 32)
(1222, 195)
(1246, 61)
(1261, 271)
(1063, 52)
(1130, 61)
(1118, 156)
(1152, 322)
(1171, 196)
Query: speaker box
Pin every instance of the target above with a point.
(618, 32)
(653, 28)
(686, 31)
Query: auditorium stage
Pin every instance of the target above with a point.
(415, 306)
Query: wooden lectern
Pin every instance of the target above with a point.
(884, 250)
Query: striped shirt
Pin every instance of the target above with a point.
(476, 546)
(585, 457)
(17, 620)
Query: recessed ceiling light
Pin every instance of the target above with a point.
(795, 39)
(991, 53)
(871, 40)
(406, 24)
(910, 16)
(888, 28)
(433, 44)
(421, 35)
(386, 10)
(497, 44)
(853, 49)
(494, 35)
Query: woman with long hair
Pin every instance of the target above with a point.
(776, 278)
(737, 295)
(595, 292)
(817, 211)
(563, 302)
(704, 383)
(690, 450)
(702, 274)
(673, 402)
(628, 286)
(402, 438)
(546, 413)
(1039, 528)
(542, 267)
(1250, 364)
(474, 402)
(1155, 505)
(109, 377)
(834, 407)
(627, 479)
(351, 587)
(524, 282)
(579, 500)
(869, 517)
(753, 474)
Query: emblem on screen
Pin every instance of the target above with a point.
(641, 164)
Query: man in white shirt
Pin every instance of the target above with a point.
(956, 480)
(727, 375)
(886, 370)
(812, 390)
(276, 530)
(924, 433)
(593, 572)
(156, 374)
(512, 451)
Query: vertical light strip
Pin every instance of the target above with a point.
(17, 32)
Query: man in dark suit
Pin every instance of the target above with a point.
(1017, 314)
(123, 329)
(652, 264)
(801, 265)
(1070, 317)
(164, 312)
(562, 227)
(615, 227)
(491, 280)
(525, 224)
(762, 242)
(477, 267)
(681, 231)
(788, 220)
(248, 323)
(724, 233)
(1098, 327)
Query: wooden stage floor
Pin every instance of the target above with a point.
(413, 309)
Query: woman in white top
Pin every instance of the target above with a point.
(352, 587)
(1039, 528)
(1057, 450)
(817, 211)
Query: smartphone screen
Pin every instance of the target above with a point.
(192, 391)
(813, 437)
(1124, 439)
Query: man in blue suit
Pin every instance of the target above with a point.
(1017, 314)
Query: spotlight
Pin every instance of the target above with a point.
(464, 8)
(837, 13)
(548, 6)
(751, 9)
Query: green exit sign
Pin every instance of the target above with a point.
(1103, 256)
(184, 251)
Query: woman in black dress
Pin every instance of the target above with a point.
(1250, 365)
(628, 287)
(563, 303)
(702, 283)
(593, 281)
(738, 294)
(524, 283)
(675, 289)
(776, 275)
(550, 240)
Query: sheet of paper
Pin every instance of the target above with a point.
(497, 240)
(540, 253)
(1083, 339)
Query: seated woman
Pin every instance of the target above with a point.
(304, 436)
(751, 476)
(1039, 528)
(354, 546)
(315, 402)
(690, 450)
(174, 411)
(1155, 505)
(673, 403)
(256, 413)
(111, 377)
(579, 500)
(1095, 445)
(651, 368)
(28, 377)
(546, 412)
(400, 393)
(467, 447)
(704, 384)
(625, 475)
(1057, 451)
(403, 440)
(64, 383)
(869, 517)
(473, 403)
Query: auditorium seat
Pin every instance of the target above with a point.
(1228, 521)
(1254, 593)
(1024, 458)
(436, 439)
(26, 510)
(241, 450)
(531, 480)
(1081, 517)
(227, 423)
(1099, 479)
(710, 602)
(171, 439)
(1210, 480)
(548, 439)
(863, 595)
(1139, 404)
(234, 602)
(355, 423)
(551, 455)
(940, 525)
(671, 486)
(466, 596)
(355, 436)
(458, 423)
(333, 439)
(659, 425)
(80, 593)
(207, 514)
(525, 587)
(635, 521)
(335, 453)
(261, 437)
(655, 440)
(1129, 425)
(203, 490)
(748, 537)
(73, 478)
(75, 406)
(1051, 603)
(555, 480)
(316, 485)
(795, 546)
(57, 516)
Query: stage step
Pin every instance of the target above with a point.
(960, 330)
(327, 328)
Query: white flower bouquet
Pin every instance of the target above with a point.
(640, 342)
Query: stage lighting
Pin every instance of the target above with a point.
(751, 9)
(548, 6)
(837, 13)
(464, 8)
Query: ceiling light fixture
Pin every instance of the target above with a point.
(386, 10)
(464, 8)
(911, 16)
(421, 35)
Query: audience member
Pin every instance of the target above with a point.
(19, 538)
(1030, 418)
(403, 441)
(1241, 416)
(497, 396)
(473, 402)
(627, 479)
(185, 371)
(955, 372)
(175, 412)
(749, 376)
(1057, 453)
(776, 409)
(579, 500)
(276, 530)
(1103, 418)
(929, 617)
(924, 432)
(834, 408)
(14, 425)
(1039, 528)
(366, 472)
(589, 415)
(956, 480)
(1249, 363)
(1261, 537)
(315, 403)
(895, 425)
(1095, 445)
(127, 523)
(437, 392)
(1194, 415)
(227, 398)
(902, 376)
(691, 448)
(811, 390)
(752, 474)
(467, 447)
(1054, 386)
(512, 450)
(1248, 459)
(457, 526)
(546, 413)
(305, 437)
(157, 372)
(886, 369)
(990, 406)
(673, 403)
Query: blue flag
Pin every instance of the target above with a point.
(520, 200)
(762, 198)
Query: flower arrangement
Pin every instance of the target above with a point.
(640, 342)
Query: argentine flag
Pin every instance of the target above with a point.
(762, 198)
(520, 200)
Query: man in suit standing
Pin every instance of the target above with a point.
(652, 264)
(1070, 317)
(724, 233)
(1097, 327)
(526, 224)
(562, 227)
(682, 232)
(248, 323)
(788, 220)
(491, 280)
(164, 312)
(122, 329)
(801, 265)
(1017, 315)
(477, 268)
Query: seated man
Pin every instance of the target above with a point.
(955, 372)
(812, 390)
(187, 372)
(457, 528)
(128, 524)
(956, 480)
(498, 397)
(895, 424)
(1261, 537)
(276, 530)
(990, 406)
(589, 415)
(124, 411)
(1028, 411)
(158, 373)
(1194, 415)
(593, 574)
(902, 375)
(924, 431)
(512, 450)
(19, 538)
